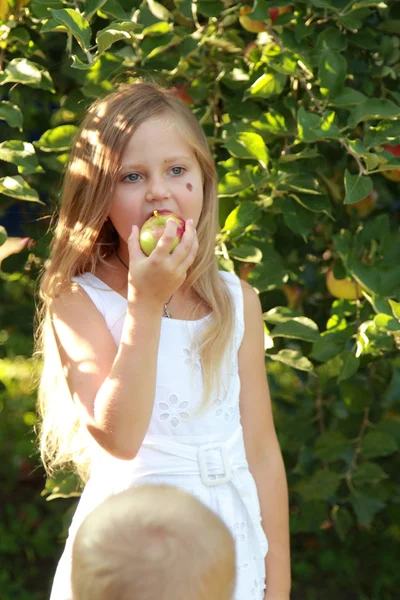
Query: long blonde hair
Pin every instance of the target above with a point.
(83, 237)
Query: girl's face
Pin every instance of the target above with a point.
(159, 170)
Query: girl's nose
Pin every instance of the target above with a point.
(157, 190)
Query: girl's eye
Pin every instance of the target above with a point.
(177, 170)
(132, 177)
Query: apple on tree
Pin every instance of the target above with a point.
(345, 289)
(365, 206)
(153, 228)
(394, 174)
(277, 11)
(250, 24)
(254, 26)
(180, 91)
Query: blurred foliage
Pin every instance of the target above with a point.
(301, 107)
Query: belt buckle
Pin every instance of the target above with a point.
(206, 478)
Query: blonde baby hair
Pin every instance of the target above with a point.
(153, 542)
(83, 237)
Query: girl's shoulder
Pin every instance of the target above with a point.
(108, 301)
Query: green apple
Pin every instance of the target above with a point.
(153, 229)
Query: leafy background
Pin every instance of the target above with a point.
(300, 105)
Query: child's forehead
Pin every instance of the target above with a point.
(159, 138)
(159, 127)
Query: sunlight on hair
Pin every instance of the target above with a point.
(80, 167)
(92, 136)
(121, 123)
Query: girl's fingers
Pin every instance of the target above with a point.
(135, 250)
(166, 241)
(190, 257)
(187, 243)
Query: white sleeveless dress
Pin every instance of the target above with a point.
(203, 454)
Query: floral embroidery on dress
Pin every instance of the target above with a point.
(239, 532)
(192, 358)
(224, 410)
(173, 410)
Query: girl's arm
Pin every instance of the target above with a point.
(115, 387)
(262, 448)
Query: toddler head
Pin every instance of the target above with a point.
(153, 542)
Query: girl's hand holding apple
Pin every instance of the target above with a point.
(154, 279)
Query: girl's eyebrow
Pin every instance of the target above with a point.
(177, 158)
(171, 159)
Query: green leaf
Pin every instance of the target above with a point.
(390, 26)
(62, 485)
(395, 306)
(52, 25)
(357, 187)
(75, 23)
(272, 122)
(392, 396)
(114, 9)
(91, 8)
(331, 446)
(365, 507)
(368, 472)
(242, 216)
(377, 443)
(332, 71)
(158, 10)
(348, 97)
(386, 132)
(3, 235)
(316, 204)
(248, 145)
(269, 84)
(297, 218)
(353, 20)
(233, 183)
(114, 33)
(247, 254)
(312, 127)
(386, 322)
(350, 365)
(302, 182)
(280, 314)
(320, 486)
(11, 114)
(58, 139)
(301, 328)
(331, 38)
(16, 187)
(259, 11)
(22, 154)
(77, 63)
(373, 108)
(355, 398)
(270, 273)
(343, 521)
(294, 359)
(26, 72)
(156, 29)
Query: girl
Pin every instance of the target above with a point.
(163, 356)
